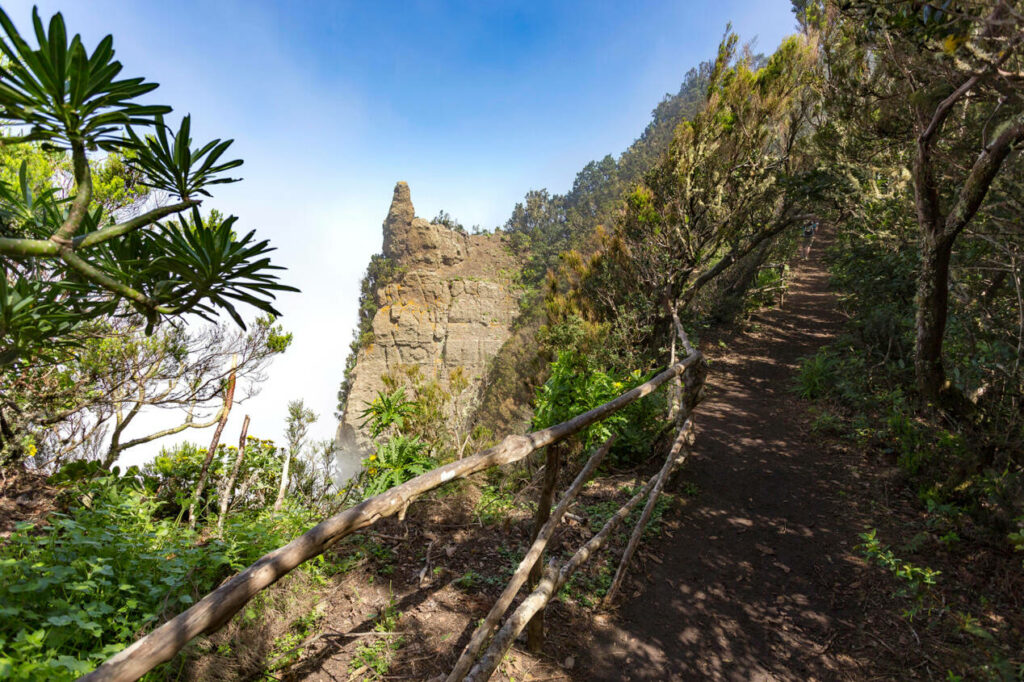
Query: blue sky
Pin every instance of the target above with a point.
(330, 103)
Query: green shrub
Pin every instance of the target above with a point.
(108, 569)
(817, 375)
(576, 386)
(172, 476)
(396, 461)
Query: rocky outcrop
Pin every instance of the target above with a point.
(451, 305)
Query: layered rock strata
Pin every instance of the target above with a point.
(450, 306)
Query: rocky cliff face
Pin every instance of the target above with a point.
(450, 306)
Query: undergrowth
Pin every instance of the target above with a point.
(107, 569)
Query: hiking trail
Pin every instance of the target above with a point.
(755, 578)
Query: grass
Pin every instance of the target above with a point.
(287, 648)
(375, 656)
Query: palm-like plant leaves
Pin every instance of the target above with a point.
(35, 318)
(173, 166)
(62, 92)
(215, 267)
(387, 409)
(27, 213)
(60, 265)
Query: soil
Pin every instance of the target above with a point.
(25, 497)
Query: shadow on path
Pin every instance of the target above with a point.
(757, 580)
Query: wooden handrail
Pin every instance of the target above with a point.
(554, 577)
(216, 608)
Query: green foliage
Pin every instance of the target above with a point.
(575, 386)
(441, 411)
(468, 581)
(173, 475)
(108, 568)
(971, 457)
(816, 377)
(544, 225)
(374, 658)
(287, 648)
(387, 411)
(446, 219)
(590, 584)
(174, 167)
(65, 260)
(913, 582)
(879, 415)
(201, 267)
(496, 501)
(395, 461)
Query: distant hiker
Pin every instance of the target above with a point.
(809, 230)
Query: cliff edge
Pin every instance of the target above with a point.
(450, 305)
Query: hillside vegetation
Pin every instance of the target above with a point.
(895, 125)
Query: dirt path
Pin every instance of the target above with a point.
(757, 579)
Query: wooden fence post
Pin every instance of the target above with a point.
(530, 560)
(229, 487)
(535, 631)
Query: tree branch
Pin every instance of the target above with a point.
(135, 223)
(173, 430)
(83, 195)
(27, 248)
(95, 275)
(979, 180)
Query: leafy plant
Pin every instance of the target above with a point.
(108, 568)
(576, 386)
(468, 580)
(66, 261)
(395, 461)
(376, 656)
(913, 581)
(387, 410)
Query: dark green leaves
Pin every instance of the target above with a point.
(191, 266)
(217, 269)
(66, 259)
(65, 94)
(173, 166)
(35, 318)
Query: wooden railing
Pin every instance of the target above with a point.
(216, 608)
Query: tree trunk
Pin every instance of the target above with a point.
(932, 310)
(284, 480)
(225, 498)
(204, 474)
(535, 629)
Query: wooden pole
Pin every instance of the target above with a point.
(229, 488)
(535, 630)
(554, 579)
(638, 531)
(216, 608)
(532, 559)
(229, 397)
